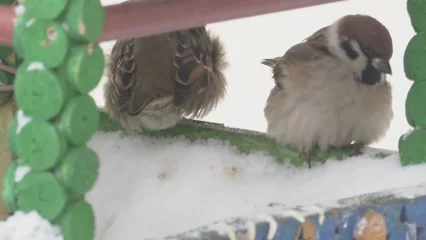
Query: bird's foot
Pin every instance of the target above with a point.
(354, 149)
(307, 157)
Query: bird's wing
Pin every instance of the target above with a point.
(318, 38)
(123, 78)
(297, 63)
(193, 61)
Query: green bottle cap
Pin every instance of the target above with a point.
(45, 9)
(8, 191)
(79, 170)
(415, 105)
(45, 42)
(78, 222)
(41, 191)
(80, 119)
(415, 57)
(401, 139)
(417, 13)
(412, 148)
(5, 51)
(39, 92)
(24, 67)
(85, 66)
(20, 21)
(85, 19)
(39, 144)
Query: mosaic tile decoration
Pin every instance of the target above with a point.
(398, 214)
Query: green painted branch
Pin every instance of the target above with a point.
(244, 140)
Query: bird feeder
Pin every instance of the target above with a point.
(51, 60)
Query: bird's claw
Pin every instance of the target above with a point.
(307, 157)
(354, 149)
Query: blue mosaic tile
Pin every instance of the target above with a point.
(390, 218)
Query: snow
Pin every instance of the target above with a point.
(23, 226)
(36, 66)
(19, 10)
(151, 188)
(22, 120)
(156, 187)
(20, 172)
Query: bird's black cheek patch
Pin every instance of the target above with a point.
(370, 75)
(350, 52)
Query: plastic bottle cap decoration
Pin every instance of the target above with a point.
(412, 145)
(80, 111)
(40, 92)
(53, 168)
(41, 191)
(84, 66)
(417, 11)
(45, 42)
(45, 9)
(79, 170)
(415, 57)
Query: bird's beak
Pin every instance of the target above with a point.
(382, 65)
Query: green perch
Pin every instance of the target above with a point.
(245, 141)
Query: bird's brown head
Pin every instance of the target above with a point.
(373, 38)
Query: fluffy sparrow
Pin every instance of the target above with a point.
(154, 82)
(331, 89)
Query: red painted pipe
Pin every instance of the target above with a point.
(6, 88)
(7, 68)
(7, 14)
(144, 18)
(138, 19)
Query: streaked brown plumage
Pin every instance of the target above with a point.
(153, 82)
(331, 90)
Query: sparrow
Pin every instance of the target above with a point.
(154, 82)
(331, 89)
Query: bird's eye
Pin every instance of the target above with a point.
(344, 40)
(367, 49)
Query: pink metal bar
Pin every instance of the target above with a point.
(7, 14)
(7, 68)
(144, 18)
(5, 88)
(138, 19)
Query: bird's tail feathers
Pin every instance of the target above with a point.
(271, 62)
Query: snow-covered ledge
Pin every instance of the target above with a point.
(394, 214)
